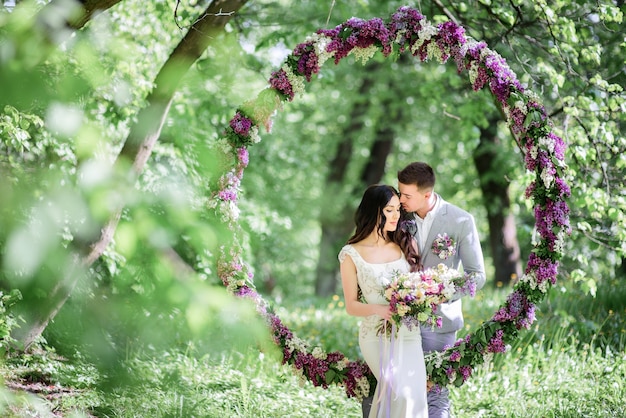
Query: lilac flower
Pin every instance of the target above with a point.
(466, 372)
(227, 195)
(496, 344)
(281, 83)
(502, 78)
(530, 190)
(357, 33)
(455, 356)
(246, 292)
(559, 146)
(562, 189)
(451, 38)
(406, 19)
(243, 156)
(241, 125)
(543, 269)
(356, 371)
(307, 60)
(517, 116)
(517, 310)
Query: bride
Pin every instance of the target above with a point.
(373, 254)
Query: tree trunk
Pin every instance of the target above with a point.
(503, 242)
(138, 146)
(336, 229)
(337, 224)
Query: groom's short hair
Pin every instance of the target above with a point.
(418, 173)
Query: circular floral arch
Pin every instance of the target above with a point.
(408, 31)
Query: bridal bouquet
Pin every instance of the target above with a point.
(413, 297)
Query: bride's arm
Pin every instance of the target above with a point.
(351, 294)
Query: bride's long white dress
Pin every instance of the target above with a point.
(397, 363)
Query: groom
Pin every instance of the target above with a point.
(444, 234)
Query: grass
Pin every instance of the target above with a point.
(570, 364)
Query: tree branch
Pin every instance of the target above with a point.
(142, 137)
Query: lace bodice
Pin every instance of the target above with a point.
(371, 279)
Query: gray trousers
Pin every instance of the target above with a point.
(438, 403)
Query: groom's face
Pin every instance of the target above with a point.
(411, 198)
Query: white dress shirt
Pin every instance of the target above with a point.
(424, 224)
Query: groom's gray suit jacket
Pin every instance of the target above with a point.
(460, 226)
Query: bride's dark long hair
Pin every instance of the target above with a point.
(370, 215)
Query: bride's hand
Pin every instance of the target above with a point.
(384, 311)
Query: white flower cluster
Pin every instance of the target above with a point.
(296, 81)
(364, 54)
(473, 75)
(254, 134)
(531, 280)
(318, 353)
(437, 358)
(488, 53)
(427, 31)
(547, 177)
(447, 279)
(546, 143)
(297, 343)
(320, 42)
(434, 52)
(342, 364)
(469, 44)
(362, 389)
(559, 242)
(229, 210)
(400, 36)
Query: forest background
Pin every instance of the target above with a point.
(110, 115)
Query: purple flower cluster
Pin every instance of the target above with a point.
(229, 269)
(451, 38)
(281, 83)
(409, 20)
(517, 310)
(306, 60)
(243, 156)
(543, 269)
(473, 55)
(552, 215)
(315, 369)
(228, 185)
(466, 372)
(561, 190)
(227, 195)
(468, 286)
(281, 333)
(496, 344)
(358, 33)
(241, 125)
(246, 291)
(355, 371)
(517, 117)
(502, 80)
